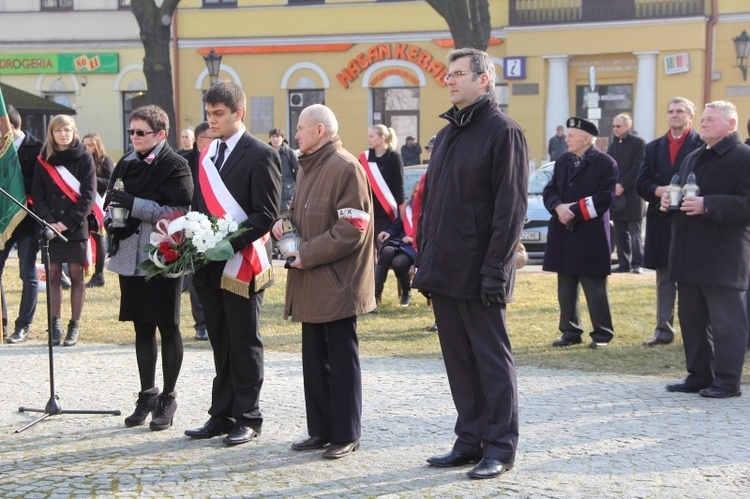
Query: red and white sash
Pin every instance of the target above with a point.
(71, 187)
(406, 219)
(379, 187)
(251, 262)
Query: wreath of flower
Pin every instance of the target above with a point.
(177, 245)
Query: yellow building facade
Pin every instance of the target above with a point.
(382, 61)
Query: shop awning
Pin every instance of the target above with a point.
(25, 102)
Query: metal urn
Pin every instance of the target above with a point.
(118, 214)
(290, 241)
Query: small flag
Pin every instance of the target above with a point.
(11, 179)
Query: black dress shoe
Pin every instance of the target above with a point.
(20, 335)
(620, 270)
(714, 392)
(311, 443)
(201, 334)
(566, 342)
(337, 451)
(240, 434)
(656, 341)
(489, 468)
(598, 344)
(214, 427)
(683, 387)
(453, 458)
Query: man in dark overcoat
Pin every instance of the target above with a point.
(474, 205)
(660, 162)
(578, 196)
(628, 210)
(709, 257)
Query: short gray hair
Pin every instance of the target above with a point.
(689, 106)
(727, 108)
(624, 118)
(480, 62)
(324, 115)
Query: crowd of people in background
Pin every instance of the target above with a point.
(455, 234)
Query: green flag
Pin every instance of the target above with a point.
(11, 179)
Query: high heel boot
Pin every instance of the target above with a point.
(57, 331)
(143, 407)
(166, 406)
(381, 274)
(405, 283)
(72, 336)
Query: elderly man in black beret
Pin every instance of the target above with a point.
(578, 196)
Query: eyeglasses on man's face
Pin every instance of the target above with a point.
(63, 131)
(457, 74)
(140, 133)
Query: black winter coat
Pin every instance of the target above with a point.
(656, 172)
(714, 248)
(29, 149)
(628, 153)
(392, 169)
(586, 249)
(53, 206)
(474, 202)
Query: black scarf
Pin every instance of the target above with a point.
(165, 180)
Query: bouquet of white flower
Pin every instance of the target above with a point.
(179, 244)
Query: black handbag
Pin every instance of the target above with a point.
(93, 222)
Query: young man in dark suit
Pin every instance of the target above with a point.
(239, 175)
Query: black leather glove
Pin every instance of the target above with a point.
(122, 198)
(493, 290)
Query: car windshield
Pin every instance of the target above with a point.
(538, 179)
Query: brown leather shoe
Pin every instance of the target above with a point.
(311, 443)
(656, 341)
(337, 451)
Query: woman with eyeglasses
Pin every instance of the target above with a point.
(63, 192)
(158, 184)
(104, 165)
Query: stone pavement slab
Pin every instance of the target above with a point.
(582, 435)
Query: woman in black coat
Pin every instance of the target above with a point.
(382, 143)
(158, 184)
(63, 192)
(104, 166)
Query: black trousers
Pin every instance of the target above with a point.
(233, 324)
(332, 379)
(482, 376)
(714, 329)
(595, 289)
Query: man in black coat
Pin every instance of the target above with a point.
(578, 196)
(660, 162)
(628, 209)
(474, 205)
(709, 257)
(25, 236)
(240, 171)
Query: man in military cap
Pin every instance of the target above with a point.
(578, 196)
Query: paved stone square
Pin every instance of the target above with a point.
(582, 435)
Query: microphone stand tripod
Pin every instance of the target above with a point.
(53, 407)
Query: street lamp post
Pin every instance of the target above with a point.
(742, 50)
(213, 63)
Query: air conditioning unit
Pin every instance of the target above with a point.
(295, 99)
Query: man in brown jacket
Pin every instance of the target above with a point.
(330, 281)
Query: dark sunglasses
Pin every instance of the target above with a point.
(140, 133)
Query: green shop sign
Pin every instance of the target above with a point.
(59, 63)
